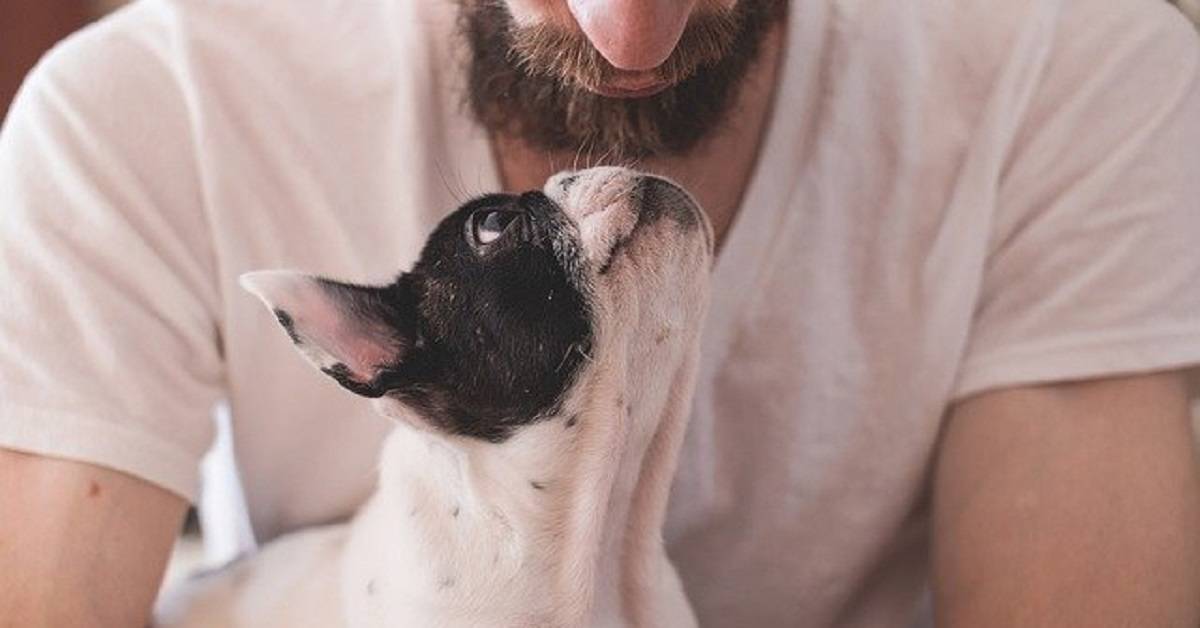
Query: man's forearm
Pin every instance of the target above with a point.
(80, 545)
(1071, 505)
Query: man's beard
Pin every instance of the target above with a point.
(531, 83)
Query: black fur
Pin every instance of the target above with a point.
(289, 326)
(342, 375)
(490, 336)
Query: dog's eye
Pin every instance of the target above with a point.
(489, 225)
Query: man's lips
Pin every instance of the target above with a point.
(638, 85)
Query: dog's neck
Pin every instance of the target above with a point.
(565, 516)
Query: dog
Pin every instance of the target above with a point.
(538, 360)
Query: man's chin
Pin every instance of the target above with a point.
(624, 116)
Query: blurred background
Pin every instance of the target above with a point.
(29, 27)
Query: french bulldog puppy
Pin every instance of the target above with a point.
(539, 361)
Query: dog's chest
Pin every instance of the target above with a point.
(451, 539)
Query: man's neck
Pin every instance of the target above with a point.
(717, 172)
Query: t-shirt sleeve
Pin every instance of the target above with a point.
(1094, 264)
(109, 352)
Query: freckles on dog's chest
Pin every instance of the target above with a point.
(454, 532)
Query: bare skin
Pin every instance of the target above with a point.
(1069, 505)
(80, 545)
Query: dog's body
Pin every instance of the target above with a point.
(540, 359)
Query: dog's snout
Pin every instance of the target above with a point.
(659, 198)
(610, 205)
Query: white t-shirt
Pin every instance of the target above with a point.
(951, 197)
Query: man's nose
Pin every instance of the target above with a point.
(633, 34)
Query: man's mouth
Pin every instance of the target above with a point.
(634, 85)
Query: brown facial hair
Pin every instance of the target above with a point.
(532, 83)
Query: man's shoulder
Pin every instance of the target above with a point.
(1014, 62)
(989, 34)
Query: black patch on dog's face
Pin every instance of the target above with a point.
(494, 318)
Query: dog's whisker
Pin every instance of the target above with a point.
(462, 184)
(455, 194)
(574, 348)
(608, 153)
(575, 161)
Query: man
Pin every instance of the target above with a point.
(957, 290)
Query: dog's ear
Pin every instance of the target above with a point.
(352, 333)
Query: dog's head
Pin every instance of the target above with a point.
(510, 300)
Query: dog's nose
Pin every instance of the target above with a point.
(591, 194)
(658, 197)
(662, 198)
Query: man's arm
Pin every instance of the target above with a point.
(1069, 505)
(80, 545)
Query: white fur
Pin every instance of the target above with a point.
(557, 526)
(328, 337)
